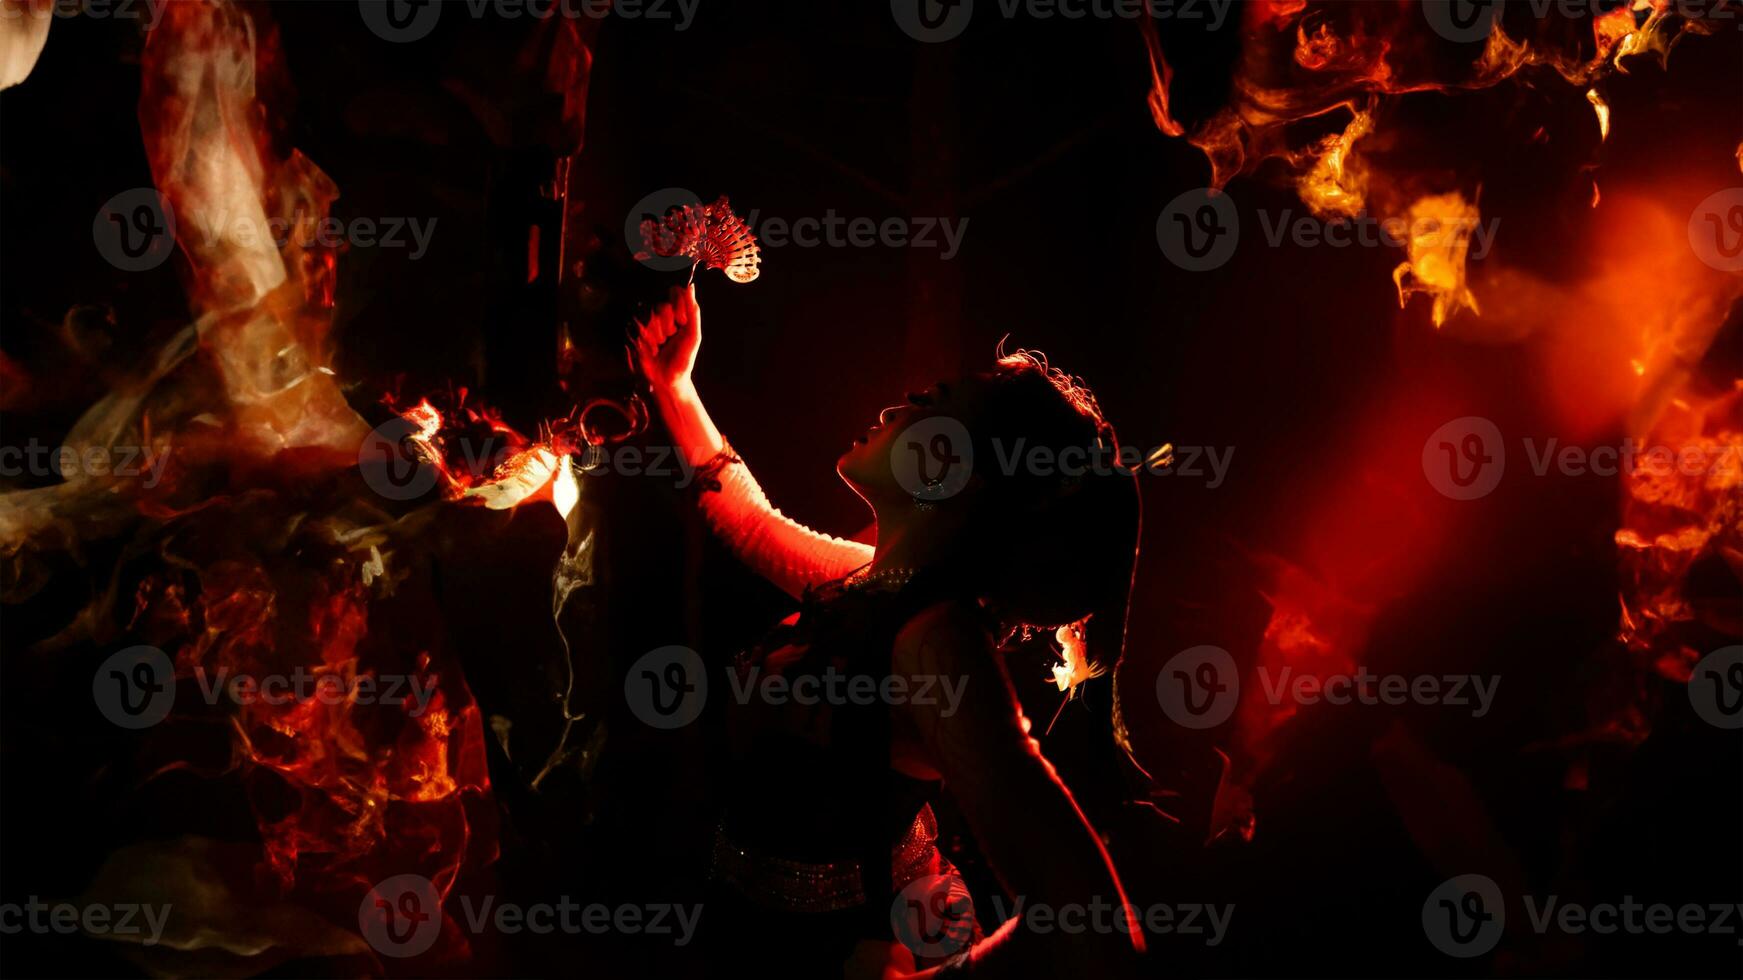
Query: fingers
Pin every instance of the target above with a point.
(685, 312)
(683, 300)
(692, 310)
(660, 325)
(668, 318)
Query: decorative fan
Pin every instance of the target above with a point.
(710, 235)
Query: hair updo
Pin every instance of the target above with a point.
(1060, 547)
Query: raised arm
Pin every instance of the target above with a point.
(1034, 836)
(787, 553)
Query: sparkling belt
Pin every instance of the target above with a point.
(813, 888)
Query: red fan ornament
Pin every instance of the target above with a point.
(709, 234)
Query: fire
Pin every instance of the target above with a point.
(1620, 331)
(1676, 516)
(1303, 61)
(1440, 228)
(1336, 185)
(1602, 109)
(516, 469)
(263, 311)
(457, 444)
(334, 778)
(257, 557)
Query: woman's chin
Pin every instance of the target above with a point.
(855, 465)
(848, 463)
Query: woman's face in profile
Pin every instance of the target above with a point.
(922, 440)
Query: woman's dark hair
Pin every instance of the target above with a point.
(1063, 537)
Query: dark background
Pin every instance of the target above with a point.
(1038, 135)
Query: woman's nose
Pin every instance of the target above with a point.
(889, 413)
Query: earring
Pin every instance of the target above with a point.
(924, 500)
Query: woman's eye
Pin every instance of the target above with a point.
(919, 399)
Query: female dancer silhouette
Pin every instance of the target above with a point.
(826, 830)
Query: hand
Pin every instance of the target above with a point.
(665, 346)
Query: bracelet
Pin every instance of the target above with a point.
(708, 473)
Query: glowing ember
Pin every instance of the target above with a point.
(1602, 108)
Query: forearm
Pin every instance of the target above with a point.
(693, 432)
(790, 555)
(1051, 857)
(992, 768)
